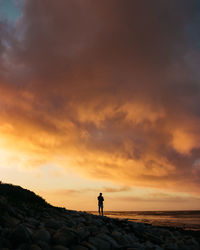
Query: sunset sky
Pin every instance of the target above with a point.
(102, 96)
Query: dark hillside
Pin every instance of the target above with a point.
(20, 196)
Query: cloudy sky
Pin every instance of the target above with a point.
(102, 96)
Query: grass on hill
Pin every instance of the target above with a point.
(18, 196)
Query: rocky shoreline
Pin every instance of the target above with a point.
(40, 226)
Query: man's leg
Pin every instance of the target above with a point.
(102, 210)
(99, 210)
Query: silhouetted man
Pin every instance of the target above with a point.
(100, 203)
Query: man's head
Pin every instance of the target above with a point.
(100, 194)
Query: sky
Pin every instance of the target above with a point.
(102, 96)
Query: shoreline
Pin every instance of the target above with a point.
(27, 222)
(62, 229)
(159, 218)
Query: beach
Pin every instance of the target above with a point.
(188, 220)
(28, 222)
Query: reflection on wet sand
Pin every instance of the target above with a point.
(184, 219)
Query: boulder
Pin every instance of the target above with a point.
(104, 229)
(43, 245)
(3, 201)
(65, 237)
(54, 224)
(34, 247)
(79, 219)
(78, 247)
(89, 245)
(10, 221)
(4, 243)
(59, 247)
(42, 235)
(32, 221)
(109, 239)
(20, 235)
(83, 233)
(99, 243)
(153, 238)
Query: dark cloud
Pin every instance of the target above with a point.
(112, 82)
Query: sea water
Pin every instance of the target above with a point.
(189, 220)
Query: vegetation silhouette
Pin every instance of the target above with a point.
(19, 196)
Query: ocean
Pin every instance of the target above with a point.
(188, 220)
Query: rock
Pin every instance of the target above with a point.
(31, 212)
(65, 237)
(104, 229)
(149, 245)
(122, 239)
(133, 248)
(192, 241)
(42, 235)
(127, 239)
(54, 224)
(4, 243)
(23, 246)
(80, 225)
(43, 245)
(160, 248)
(83, 233)
(78, 247)
(99, 243)
(34, 247)
(98, 222)
(29, 227)
(171, 246)
(32, 221)
(6, 233)
(45, 215)
(11, 211)
(106, 237)
(153, 238)
(58, 247)
(89, 245)
(10, 221)
(166, 233)
(79, 219)
(20, 235)
(41, 225)
(3, 201)
(132, 236)
(93, 229)
(19, 215)
(137, 246)
(116, 235)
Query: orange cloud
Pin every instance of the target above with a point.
(103, 88)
